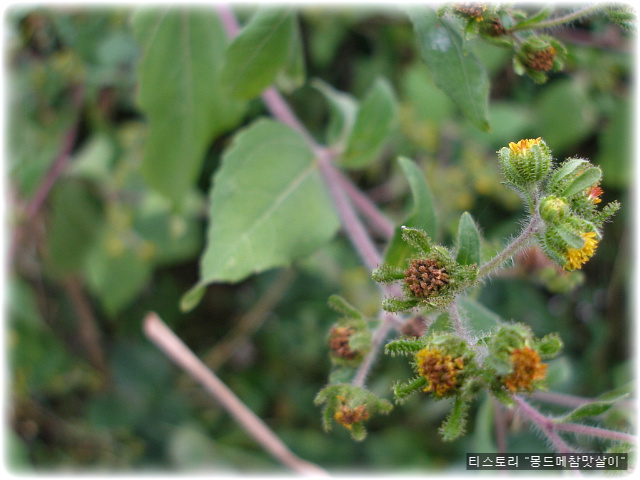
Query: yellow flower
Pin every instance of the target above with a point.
(523, 145)
(577, 256)
(439, 370)
(527, 368)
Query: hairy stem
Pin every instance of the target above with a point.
(512, 248)
(379, 337)
(562, 20)
(158, 332)
(456, 321)
(354, 229)
(545, 424)
(595, 432)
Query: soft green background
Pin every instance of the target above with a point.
(129, 235)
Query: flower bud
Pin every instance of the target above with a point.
(553, 209)
(525, 163)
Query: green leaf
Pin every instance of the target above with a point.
(455, 423)
(480, 318)
(591, 409)
(586, 179)
(422, 216)
(116, 279)
(179, 92)
(372, 126)
(565, 114)
(259, 52)
(339, 304)
(468, 241)
(294, 74)
(455, 69)
(342, 110)
(76, 221)
(268, 205)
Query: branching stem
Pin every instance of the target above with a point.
(562, 20)
(511, 249)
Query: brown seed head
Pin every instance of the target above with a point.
(541, 60)
(425, 277)
(339, 342)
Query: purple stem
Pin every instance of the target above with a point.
(362, 202)
(596, 432)
(543, 423)
(350, 221)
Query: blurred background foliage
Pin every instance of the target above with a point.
(87, 392)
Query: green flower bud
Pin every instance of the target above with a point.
(553, 209)
(525, 163)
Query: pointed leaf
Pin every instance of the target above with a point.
(269, 205)
(468, 241)
(342, 107)
(179, 71)
(422, 214)
(454, 68)
(259, 52)
(372, 126)
(591, 409)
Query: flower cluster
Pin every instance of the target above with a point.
(566, 199)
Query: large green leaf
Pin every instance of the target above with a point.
(373, 123)
(455, 69)
(259, 52)
(183, 51)
(422, 216)
(268, 205)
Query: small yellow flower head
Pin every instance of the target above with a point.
(576, 257)
(525, 163)
(441, 371)
(347, 416)
(523, 146)
(527, 369)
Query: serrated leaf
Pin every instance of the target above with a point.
(269, 205)
(372, 126)
(586, 179)
(258, 53)
(468, 241)
(179, 93)
(454, 68)
(422, 216)
(342, 108)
